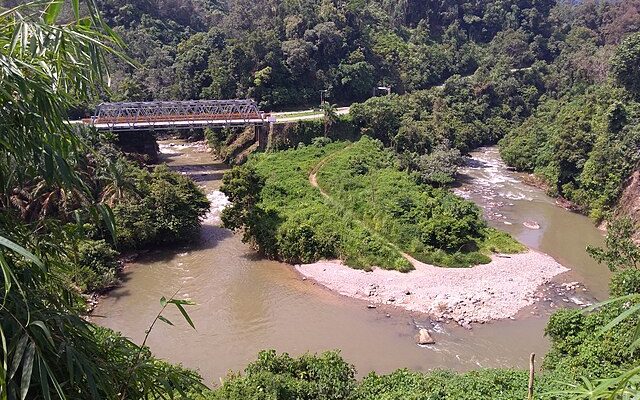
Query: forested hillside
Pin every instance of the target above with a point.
(282, 53)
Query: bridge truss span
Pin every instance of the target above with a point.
(176, 115)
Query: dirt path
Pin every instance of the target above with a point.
(313, 175)
(313, 180)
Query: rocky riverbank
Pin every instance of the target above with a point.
(479, 294)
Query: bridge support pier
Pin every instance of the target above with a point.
(262, 136)
(139, 142)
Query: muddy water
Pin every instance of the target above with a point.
(245, 303)
(508, 204)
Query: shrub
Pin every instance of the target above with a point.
(95, 265)
(624, 64)
(584, 147)
(166, 210)
(431, 224)
(489, 384)
(283, 216)
(580, 348)
(440, 166)
(292, 134)
(625, 282)
(314, 377)
(374, 210)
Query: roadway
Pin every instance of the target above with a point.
(302, 115)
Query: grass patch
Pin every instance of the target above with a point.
(374, 212)
(432, 225)
(295, 114)
(496, 241)
(310, 227)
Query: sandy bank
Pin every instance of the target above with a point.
(466, 295)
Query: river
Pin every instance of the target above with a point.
(246, 303)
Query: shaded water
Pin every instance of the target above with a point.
(246, 303)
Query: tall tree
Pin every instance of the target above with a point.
(625, 64)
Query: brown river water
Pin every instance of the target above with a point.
(246, 303)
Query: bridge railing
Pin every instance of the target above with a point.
(176, 114)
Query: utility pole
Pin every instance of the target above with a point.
(322, 94)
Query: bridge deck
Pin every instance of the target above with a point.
(176, 114)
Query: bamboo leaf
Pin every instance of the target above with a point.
(185, 302)
(3, 370)
(166, 321)
(44, 329)
(20, 250)
(6, 273)
(44, 379)
(624, 315)
(27, 369)
(185, 315)
(109, 219)
(76, 8)
(52, 11)
(17, 355)
(163, 301)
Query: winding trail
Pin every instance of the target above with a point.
(313, 180)
(313, 175)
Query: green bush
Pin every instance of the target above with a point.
(166, 209)
(439, 167)
(328, 377)
(292, 134)
(584, 147)
(284, 217)
(95, 265)
(625, 282)
(432, 225)
(580, 348)
(489, 384)
(373, 212)
(624, 64)
(272, 376)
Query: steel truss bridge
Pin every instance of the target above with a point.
(158, 115)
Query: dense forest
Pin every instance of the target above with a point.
(555, 83)
(282, 53)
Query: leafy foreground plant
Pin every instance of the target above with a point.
(327, 376)
(48, 349)
(620, 383)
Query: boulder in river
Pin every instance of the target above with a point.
(531, 224)
(425, 337)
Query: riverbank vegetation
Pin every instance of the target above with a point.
(328, 376)
(584, 147)
(371, 212)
